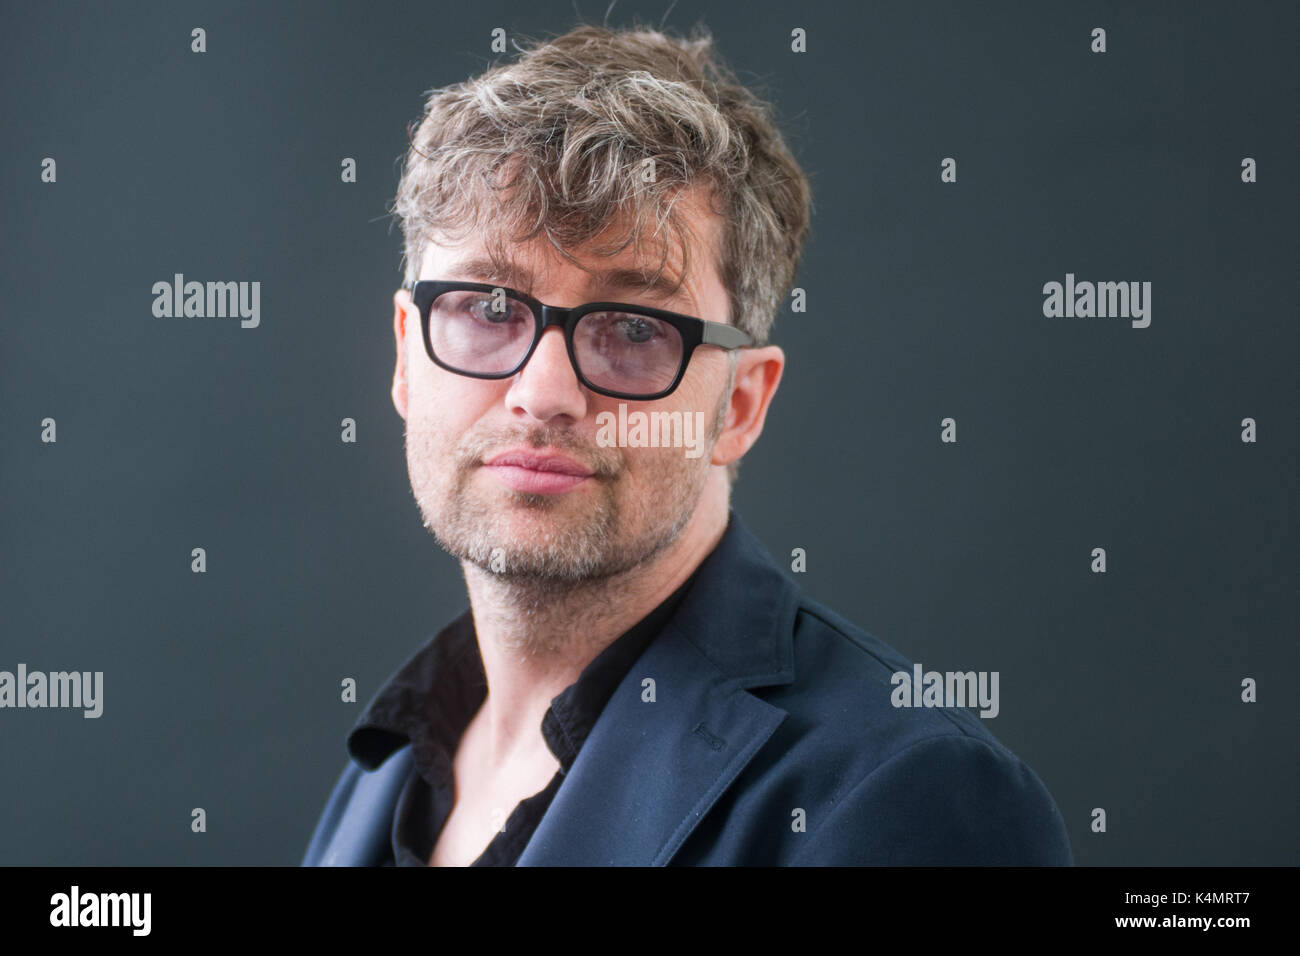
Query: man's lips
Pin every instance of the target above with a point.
(537, 472)
(535, 461)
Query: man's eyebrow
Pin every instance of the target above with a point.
(624, 279)
(485, 270)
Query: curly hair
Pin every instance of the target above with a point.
(558, 142)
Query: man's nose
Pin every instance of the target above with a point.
(548, 385)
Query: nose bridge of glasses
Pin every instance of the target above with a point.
(558, 317)
(554, 315)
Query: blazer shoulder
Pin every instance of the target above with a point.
(354, 828)
(330, 817)
(902, 784)
(952, 801)
(835, 658)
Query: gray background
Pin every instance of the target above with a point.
(222, 690)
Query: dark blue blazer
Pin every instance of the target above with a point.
(765, 704)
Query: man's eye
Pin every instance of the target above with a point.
(488, 310)
(635, 329)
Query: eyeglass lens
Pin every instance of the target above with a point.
(490, 333)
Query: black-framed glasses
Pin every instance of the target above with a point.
(620, 350)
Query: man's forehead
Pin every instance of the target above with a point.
(640, 268)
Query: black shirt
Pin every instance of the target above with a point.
(430, 701)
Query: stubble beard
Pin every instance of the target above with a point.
(546, 549)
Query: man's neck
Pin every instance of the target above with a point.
(569, 630)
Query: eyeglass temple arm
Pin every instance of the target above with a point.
(726, 336)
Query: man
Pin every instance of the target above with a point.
(602, 230)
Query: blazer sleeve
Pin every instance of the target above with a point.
(950, 800)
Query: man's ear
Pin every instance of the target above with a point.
(758, 373)
(401, 306)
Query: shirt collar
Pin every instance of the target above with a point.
(405, 709)
(431, 697)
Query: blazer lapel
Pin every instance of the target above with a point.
(651, 770)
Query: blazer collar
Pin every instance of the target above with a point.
(740, 612)
(655, 763)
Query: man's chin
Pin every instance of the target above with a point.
(526, 521)
(524, 510)
(492, 527)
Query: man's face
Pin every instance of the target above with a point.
(482, 453)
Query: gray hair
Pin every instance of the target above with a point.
(562, 136)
